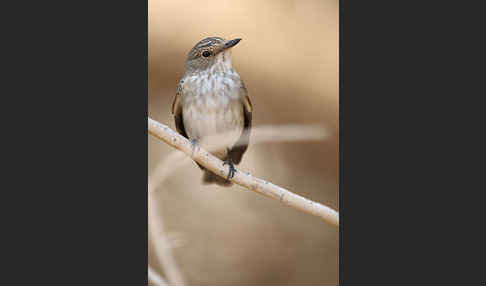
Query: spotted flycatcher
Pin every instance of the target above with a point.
(212, 99)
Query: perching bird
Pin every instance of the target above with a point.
(211, 98)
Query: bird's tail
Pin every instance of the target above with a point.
(210, 178)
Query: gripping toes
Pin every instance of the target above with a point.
(232, 169)
(194, 145)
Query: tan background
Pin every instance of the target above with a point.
(288, 59)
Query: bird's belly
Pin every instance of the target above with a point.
(203, 118)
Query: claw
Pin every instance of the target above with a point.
(194, 145)
(232, 169)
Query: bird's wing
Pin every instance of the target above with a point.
(177, 111)
(242, 143)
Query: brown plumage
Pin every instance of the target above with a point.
(211, 98)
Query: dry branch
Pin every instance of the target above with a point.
(243, 179)
(163, 249)
(155, 278)
(259, 134)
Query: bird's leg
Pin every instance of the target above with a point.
(232, 169)
(194, 144)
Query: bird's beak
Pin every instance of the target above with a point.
(231, 43)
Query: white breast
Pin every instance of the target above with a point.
(211, 105)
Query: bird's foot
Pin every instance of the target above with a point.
(194, 145)
(232, 169)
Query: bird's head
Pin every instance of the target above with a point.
(211, 54)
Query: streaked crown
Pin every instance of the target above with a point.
(207, 52)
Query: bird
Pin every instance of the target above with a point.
(212, 99)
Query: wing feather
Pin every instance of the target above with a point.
(242, 143)
(177, 111)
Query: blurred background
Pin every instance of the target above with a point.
(288, 59)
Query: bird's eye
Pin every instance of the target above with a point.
(206, 54)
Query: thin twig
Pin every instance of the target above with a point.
(163, 249)
(155, 278)
(246, 180)
(259, 134)
(177, 159)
